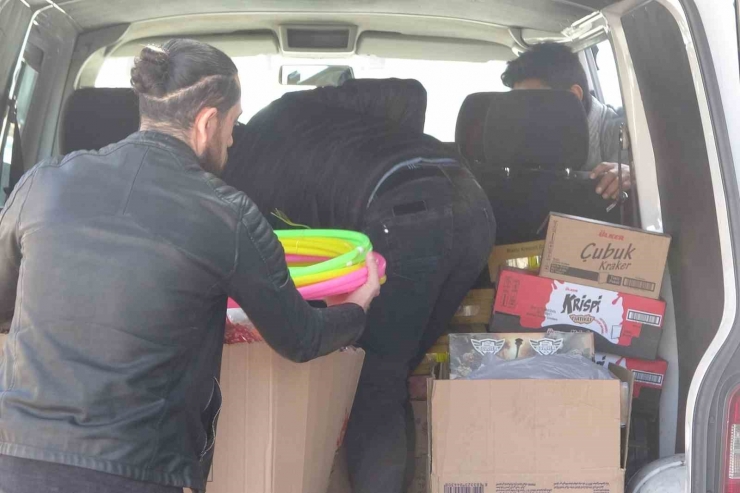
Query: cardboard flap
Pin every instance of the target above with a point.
(627, 376)
(518, 255)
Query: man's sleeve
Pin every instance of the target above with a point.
(610, 139)
(262, 286)
(10, 250)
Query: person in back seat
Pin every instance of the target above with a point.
(555, 66)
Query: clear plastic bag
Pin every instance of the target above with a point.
(554, 367)
(239, 329)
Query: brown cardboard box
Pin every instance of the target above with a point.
(339, 479)
(418, 386)
(491, 436)
(281, 422)
(420, 483)
(605, 255)
(3, 337)
(518, 255)
(441, 355)
(421, 427)
(476, 308)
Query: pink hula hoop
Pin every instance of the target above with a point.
(341, 285)
(303, 259)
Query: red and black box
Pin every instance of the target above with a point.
(649, 379)
(623, 324)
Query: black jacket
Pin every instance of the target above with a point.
(320, 160)
(115, 267)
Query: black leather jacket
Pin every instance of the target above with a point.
(115, 267)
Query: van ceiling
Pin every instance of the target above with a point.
(546, 15)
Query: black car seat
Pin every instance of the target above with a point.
(534, 145)
(471, 122)
(96, 117)
(401, 101)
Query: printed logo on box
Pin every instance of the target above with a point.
(546, 347)
(582, 319)
(488, 346)
(569, 305)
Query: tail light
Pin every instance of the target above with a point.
(732, 445)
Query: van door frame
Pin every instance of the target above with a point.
(15, 26)
(704, 418)
(714, 66)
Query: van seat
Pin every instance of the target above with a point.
(96, 117)
(529, 139)
(470, 125)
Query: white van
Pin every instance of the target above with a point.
(670, 65)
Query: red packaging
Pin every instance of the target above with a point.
(623, 324)
(649, 379)
(239, 328)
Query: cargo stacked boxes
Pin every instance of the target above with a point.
(589, 289)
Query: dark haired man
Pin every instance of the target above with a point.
(115, 268)
(555, 66)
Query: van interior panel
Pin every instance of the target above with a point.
(686, 195)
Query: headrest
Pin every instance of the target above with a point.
(96, 117)
(537, 128)
(403, 101)
(471, 122)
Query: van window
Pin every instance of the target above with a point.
(28, 77)
(606, 74)
(447, 83)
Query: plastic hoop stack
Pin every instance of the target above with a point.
(328, 262)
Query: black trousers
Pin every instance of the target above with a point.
(436, 232)
(29, 476)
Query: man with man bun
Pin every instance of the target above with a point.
(115, 269)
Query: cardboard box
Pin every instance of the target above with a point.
(649, 378)
(420, 482)
(623, 324)
(418, 387)
(526, 256)
(431, 360)
(281, 422)
(476, 308)
(421, 428)
(603, 255)
(495, 436)
(438, 353)
(3, 338)
(339, 479)
(468, 352)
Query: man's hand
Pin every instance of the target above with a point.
(608, 186)
(366, 293)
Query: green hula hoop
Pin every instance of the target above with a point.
(362, 246)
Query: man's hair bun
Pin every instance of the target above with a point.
(177, 80)
(151, 72)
